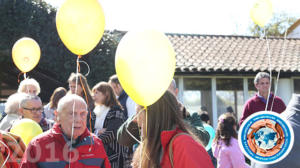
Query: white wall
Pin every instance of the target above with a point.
(285, 89)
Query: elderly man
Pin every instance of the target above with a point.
(127, 103)
(31, 107)
(259, 101)
(69, 142)
(29, 86)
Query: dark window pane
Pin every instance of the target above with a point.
(297, 86)
(230, 96)
(197, 94)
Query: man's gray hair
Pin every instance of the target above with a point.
(259, 76)
(65, 101)
(24, 83)
(28, 97)
(114, 79)
(12, 104)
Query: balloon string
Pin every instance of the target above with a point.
(86, 98)
(146, 120)
(87, 101)
(282, 57)
(72, 132)
(19, 77)
(87, 67)
(131, 120)
(78, 65)
(270, 69)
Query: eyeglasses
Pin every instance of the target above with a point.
(34, 109)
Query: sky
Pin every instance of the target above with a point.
(214, 17)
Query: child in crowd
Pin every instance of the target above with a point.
(225, 145)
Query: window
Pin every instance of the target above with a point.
(197, 94)
(297, 86)
(230, 96)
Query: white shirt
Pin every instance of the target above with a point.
(101, 112)
(131, 107)
(49, 112)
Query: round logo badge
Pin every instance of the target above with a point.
(265, 137)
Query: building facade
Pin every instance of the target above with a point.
(217, 72)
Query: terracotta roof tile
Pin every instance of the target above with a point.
(198, 53)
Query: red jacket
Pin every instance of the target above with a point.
(186, 151)
(51, 150)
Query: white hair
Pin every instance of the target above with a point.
(28, 97)
(63, 103)
(13, 102)
(29, 81)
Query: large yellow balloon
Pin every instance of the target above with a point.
(145, 65)
(80, 25)
(261, 12)
(26, 54)
(27, 129)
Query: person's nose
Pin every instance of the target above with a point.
(77, 118)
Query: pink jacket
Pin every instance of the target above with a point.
(229, 156)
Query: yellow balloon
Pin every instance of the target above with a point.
(145, 65)
(26, 54)
(27, 129)
(261, 12)
(80, 25)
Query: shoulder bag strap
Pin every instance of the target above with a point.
(171, 149)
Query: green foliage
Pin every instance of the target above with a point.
(36, 19)
(276, 27)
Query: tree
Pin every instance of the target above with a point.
(276, 27)
(36, 19)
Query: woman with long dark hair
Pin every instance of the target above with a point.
(166, 140)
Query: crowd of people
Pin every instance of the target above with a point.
(104, 127)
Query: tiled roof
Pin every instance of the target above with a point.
(218, 53)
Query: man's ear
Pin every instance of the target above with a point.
(256, 85)
(21, 112)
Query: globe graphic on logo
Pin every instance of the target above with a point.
(265, 138)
